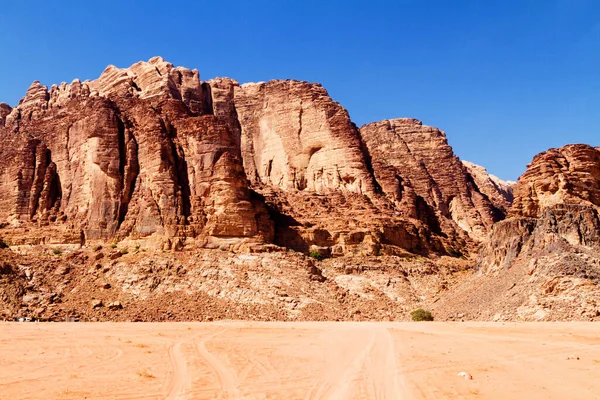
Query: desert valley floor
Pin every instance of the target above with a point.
(253, 360)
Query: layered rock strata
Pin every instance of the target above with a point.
(556, 205)
(543, 262)
(133, 153)
(152, 151)
(417, 169)
(568, 175)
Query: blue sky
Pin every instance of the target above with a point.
(504, 79)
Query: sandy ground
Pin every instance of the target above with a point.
(245, 360)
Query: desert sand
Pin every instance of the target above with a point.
(251, 360)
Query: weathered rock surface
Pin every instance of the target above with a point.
(556, 206)
(5, 110)
(150, 158)
(296, 140)
(499, 192)
(296, 137)
(135, 153)
(543, 262)
(417, 169)
(150, 151)
(569, 175)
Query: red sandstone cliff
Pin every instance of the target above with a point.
(152, 157)
(152, 151)
(134, 153)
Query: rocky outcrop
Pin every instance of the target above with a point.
(543, 262)
(296, 137)
(155, 78)
(5, 110)
(535, 269)
(568, 175)
(151, 151)
(499, 192)
(555, 206)
(297, 142)
(417, 169)
(133, 154)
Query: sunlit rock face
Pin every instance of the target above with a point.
(134, 153)
(568, 175)
(498, 191)
(417, 169)
(555, 209)
(151, 151)
(295, 136)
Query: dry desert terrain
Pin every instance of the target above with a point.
(252, 360)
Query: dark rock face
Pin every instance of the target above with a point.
(560, 227)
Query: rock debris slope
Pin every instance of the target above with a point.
(543, 262)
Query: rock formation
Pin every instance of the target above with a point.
(569, 175)
(296, 137)
(152, 151)
(5, 110)
(133, 153)
(499, 192)
(556, 205)
(153, 158)
(543, 262)
(417, 169)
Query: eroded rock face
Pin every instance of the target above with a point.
(568, 175)
(417, 169)
(5, 110)
(499, 192)
(535, 269)
(135, 153)
(151, 151)
(543, 262)
(555, 207)
(295, 137)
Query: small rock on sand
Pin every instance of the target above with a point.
(465, 375)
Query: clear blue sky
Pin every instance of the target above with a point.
(505, 79)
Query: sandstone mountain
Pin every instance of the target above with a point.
(153, 152)
(128, 155)
(148, 194)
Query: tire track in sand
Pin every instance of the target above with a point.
(181, 380)
(227, 377)
(375, 367)
(386, 377)
(180, 385)
(339, 378)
